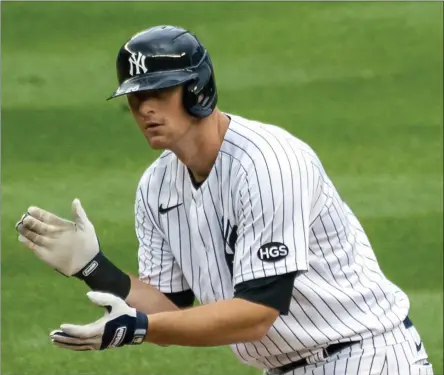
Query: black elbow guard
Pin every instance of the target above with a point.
(103, 276)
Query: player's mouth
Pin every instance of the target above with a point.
(152, 125)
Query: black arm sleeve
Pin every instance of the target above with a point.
(102, 275)
(273, 291)
(182, 299)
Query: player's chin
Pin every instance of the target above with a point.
(158, 142)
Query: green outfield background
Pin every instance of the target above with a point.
(360, 82)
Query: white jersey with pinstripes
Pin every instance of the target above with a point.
(266, 186)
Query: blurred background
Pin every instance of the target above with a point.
(360, 82)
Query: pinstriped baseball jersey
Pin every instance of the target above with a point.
(267, 208)
(390, 353)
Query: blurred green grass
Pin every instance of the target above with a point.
(360, 82)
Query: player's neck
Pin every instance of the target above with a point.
(200, 151)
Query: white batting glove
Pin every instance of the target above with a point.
(67, 246)
(121, 325)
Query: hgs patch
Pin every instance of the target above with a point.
(272, 252)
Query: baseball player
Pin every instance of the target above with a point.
(241, 216)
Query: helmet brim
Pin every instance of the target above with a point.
(153, 81)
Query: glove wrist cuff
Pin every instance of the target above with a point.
(100, 274)
(141, 329)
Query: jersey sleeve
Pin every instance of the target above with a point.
(271, 291)
(274, 203)
(157, 265)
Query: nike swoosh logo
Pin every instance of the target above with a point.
(418, 346)
(163, 210)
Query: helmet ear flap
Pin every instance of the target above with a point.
(190, 98)
(200, 96)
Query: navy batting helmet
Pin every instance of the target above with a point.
(168, 56)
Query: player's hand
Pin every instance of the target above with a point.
(66, 246)
(121, 325)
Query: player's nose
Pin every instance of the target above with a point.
(146, 107)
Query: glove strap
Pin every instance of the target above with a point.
(141, 329)
(125, 330)
(100, 274)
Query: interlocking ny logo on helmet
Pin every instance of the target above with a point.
(137, 63)
(167, 56)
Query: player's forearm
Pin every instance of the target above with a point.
(147, 299)
(107, 277)
(221, 323)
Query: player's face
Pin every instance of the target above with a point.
(160, 116)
